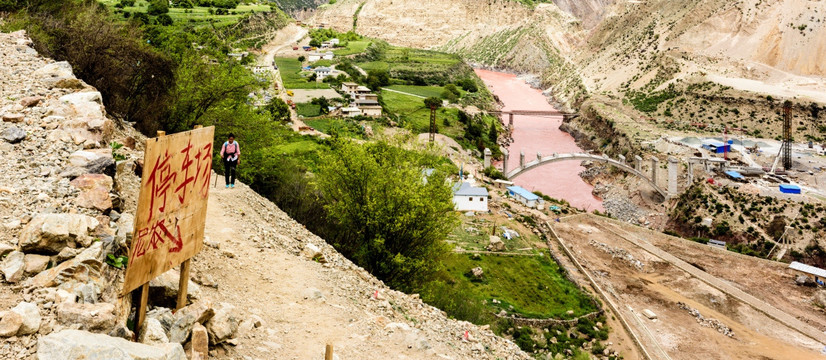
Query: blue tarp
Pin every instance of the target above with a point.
(735, 175)
(518, 190)
(789, 189)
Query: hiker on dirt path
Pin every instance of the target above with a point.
(230, 152)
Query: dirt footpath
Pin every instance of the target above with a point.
(262, 263)
(694, 320)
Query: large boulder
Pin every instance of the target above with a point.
(496, 244)
(52, 73)
(88, 125)
(98, 317)
(50, 233)
(94, 191)
(14, 266)
(36, 263)
(163, 290)
(84, 267)
(82, 158)
(152, 332)
(79, 344)
(14, 134)
(199, 312)
(805, 280)
(223, 325)
(10, 324)
(31, 317)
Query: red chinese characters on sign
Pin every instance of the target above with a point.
(162, 179)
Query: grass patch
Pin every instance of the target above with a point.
(535, 286)
(307, 110)
(413, 114)
(426, 91)
(343, 127)
(291, 75)
(352, 48)
(197, 14)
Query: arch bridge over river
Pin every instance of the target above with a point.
(620, 163)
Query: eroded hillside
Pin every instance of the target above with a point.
(627, 53)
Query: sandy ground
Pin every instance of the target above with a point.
(658, 285)
(305, 95)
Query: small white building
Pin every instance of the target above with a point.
(334, 41)
(350, 111)
(322, 72)
(469, 198)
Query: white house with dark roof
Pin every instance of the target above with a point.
(467, 197)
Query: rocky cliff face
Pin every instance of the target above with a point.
(590, 12)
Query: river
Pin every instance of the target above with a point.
(534, 134)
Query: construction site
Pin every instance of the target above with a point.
(682, 300)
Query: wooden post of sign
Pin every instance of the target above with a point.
(140, 317)
(328, 354)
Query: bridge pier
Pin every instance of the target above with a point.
(621, 158)
(505, 162)
(673, 166)
(538, 156)
(510, 120)
(488, 154)
(655, 166)
(522, 159)
(638, 163)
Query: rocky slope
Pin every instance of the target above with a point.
(606, 49)
(263, 288)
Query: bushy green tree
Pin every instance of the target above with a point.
(433, 102)
(279, 110)
(157, 7)
(208, 94)
(396, 222)
(377, 78)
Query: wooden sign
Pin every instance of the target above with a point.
(169, 223)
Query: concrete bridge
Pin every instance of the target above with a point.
(620, 163)
(535, 113)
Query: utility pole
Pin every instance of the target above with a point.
(432, 124)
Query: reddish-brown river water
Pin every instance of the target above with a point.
(534, 134)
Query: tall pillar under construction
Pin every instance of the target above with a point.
(655, 164)
(786, 147)
(673, 166)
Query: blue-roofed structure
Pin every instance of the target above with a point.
(735, 175)
(715, 146)
(524, 196)
(789, 189)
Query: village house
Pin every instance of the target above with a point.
(322, 72)
(350, 111)
(349, 88)
(316, 56)
(370, 108)
(466, 197)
